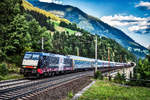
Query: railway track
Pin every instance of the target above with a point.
(21, 89)
(12, 83)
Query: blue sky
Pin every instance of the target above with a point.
(130, 16)
(101, 8)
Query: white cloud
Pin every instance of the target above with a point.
(133, 23)
(137, 28)
(143, 4)
(52, 1)
(130, 25)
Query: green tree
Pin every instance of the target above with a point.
(9, 9)
(48, 46)
(3, 69)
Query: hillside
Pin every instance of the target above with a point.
(35, 12)
(30, 7)
(92, 25)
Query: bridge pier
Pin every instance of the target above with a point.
(128, 71)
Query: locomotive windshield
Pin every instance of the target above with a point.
(31, 56)
(31, 59)
(28, 56)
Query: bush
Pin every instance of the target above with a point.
(13, 68)
(1, 78)
(117, 78)
(15, 60)
(120, 78)
(139, 82)
(70, 95)
(98, 75)
(3, 69)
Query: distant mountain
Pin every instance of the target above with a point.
(93, 25)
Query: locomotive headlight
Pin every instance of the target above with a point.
(34, 67)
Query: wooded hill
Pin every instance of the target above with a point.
(22, 26)
(30, 7)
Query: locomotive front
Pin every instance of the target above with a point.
(30, 64)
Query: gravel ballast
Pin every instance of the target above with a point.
(60, 92)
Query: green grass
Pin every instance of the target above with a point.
(104, 90)
(70, 31)
(11, 76)
(55, 23)
(62, 29)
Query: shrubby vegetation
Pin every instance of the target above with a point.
(142, 73)
(98, 75)
(143, 68)
(3, 69)
(120, 78)
(70, 95)
(141, 76)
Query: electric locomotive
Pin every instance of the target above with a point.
(45, 64)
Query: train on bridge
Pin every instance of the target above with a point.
(36, 64)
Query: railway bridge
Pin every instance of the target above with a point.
(128, 71)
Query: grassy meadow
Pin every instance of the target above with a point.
(104, 90)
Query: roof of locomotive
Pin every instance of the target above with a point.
(47, 54)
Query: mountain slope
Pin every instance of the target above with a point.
(92, 24)
(29, 6)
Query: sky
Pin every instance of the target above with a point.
(130, 16)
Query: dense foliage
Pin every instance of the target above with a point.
(21, 30)
(98, 75)
(17, 35)
(42, 19)
(143, 69)
(117, 53)
(142, 73)
(65, 43)
(72, 26)
(120, 78)
(3, 69)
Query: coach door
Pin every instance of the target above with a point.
(61, 65)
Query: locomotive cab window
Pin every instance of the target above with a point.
(31, 56)
(28, 56)
(35, 57)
